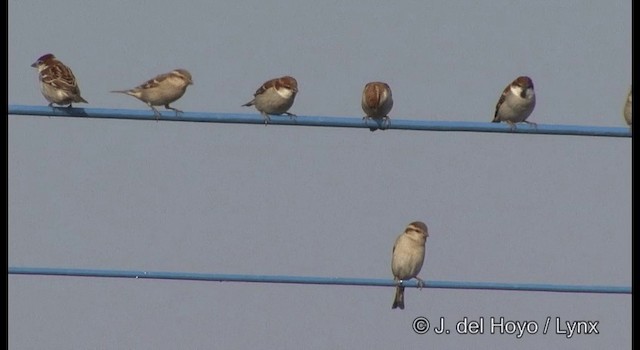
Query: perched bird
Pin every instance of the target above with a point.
(516, 102)
(627, 108)
(275, 97)
(407, 258)
(57, 82)
(377, 102)
(162, 90)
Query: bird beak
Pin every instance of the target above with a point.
(35, 64)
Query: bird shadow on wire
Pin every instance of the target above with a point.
(68, 111)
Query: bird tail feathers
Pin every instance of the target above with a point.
(398, 301)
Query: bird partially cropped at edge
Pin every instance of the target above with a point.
(275, 97)
(408, 257)
(162, 90)
(57, 83)
(627, 108)
(516, 102)
(377, 102)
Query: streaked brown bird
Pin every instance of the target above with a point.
(408, 257)
(57, 83)
(377, 102)
(275, 97)
(162, 90)
(516, 103)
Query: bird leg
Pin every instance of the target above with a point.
(291, 115)
(420, 282)
(266, 117)
(155, 111)
(173, 109)
(386, 122)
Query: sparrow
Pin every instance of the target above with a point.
(627, 108)
(162, 90)
(407, 258)
(57, 82)
(516, 102)
(377, 102)
(275, 97)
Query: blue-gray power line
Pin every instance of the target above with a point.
(187, 276)
(326, 122)
(340, 122)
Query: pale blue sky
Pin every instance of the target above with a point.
(222, 198)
